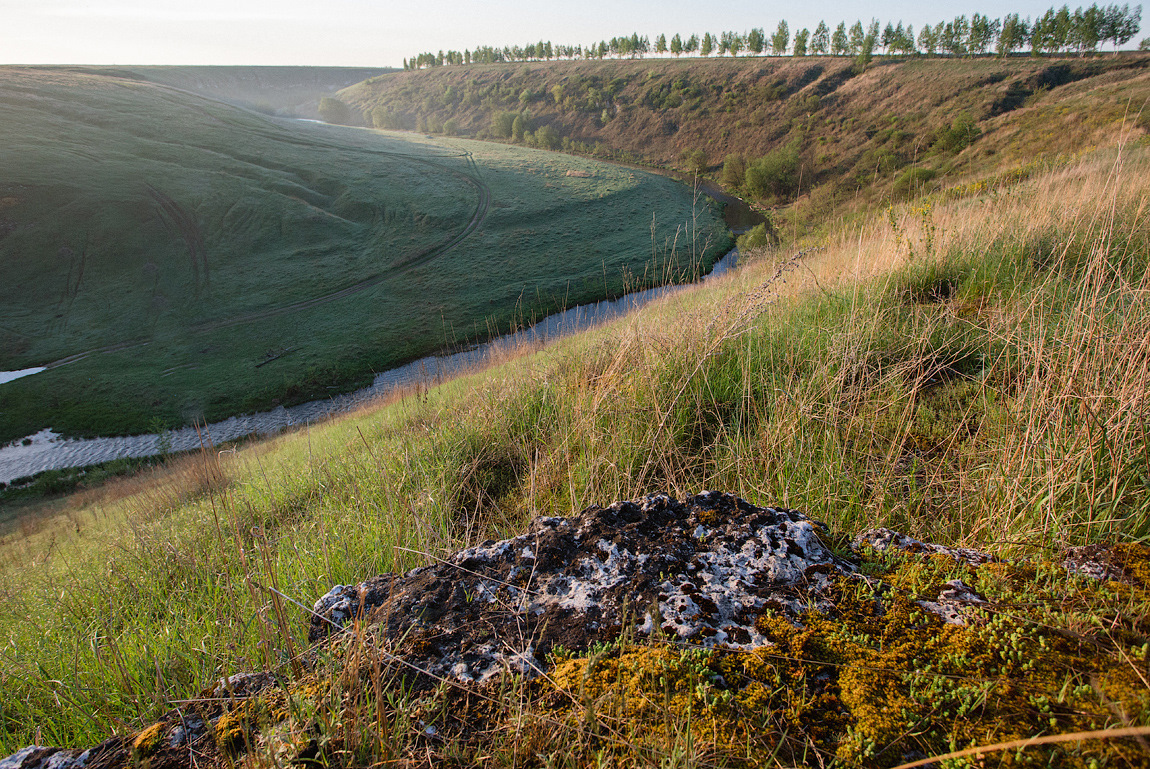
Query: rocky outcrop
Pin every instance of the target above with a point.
(699, 571)
(709, 571)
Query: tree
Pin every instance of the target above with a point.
(1063, 26)
(676, 45)
(1040, 32)
(821, 40)
(857, 36)
(982, 31)
(730, 42)
(661, 44)
(888, 38)
(928, 39)
(695, 160)
(781, 39)
(734, 170)
(1013, 34)
(839, 44)
(707, 45)
(334, 111)
(756, 40)
(692, 44)
(801, 38)
(955, 36)
(1121, 24)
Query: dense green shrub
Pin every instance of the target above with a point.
(961, 133)
(774, 175)
(502, 124)
(334, 111)
(734, 172)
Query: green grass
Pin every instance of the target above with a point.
(201, 250)
(856, 134)
(969, 370)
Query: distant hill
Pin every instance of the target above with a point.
(286, 91)
(856, 133)
(169, 257)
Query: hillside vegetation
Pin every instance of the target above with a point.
(969, 367)
(172, 258)
(842, 136)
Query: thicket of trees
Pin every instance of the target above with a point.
(1082, 31)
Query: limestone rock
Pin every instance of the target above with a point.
(700, 571)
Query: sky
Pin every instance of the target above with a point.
(381, 33)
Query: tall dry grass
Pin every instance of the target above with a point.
(967, 369)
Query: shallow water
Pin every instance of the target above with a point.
(8, 376)
(48, 451)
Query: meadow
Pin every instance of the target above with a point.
(970, 367)
(172, 258)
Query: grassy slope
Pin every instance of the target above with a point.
(856, 132)
(192, 233)
(290, 91)
(967, 368)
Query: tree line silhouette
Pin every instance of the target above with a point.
(1081, 31)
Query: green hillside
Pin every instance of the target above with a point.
(858, 136)
(288, 91)
(189, 260)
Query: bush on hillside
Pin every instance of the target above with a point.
(912, 180)
(961, 133)
(759, 236)
(503, 124)
(334, 111)
(774, 175)
(547, 139)
(386, 118)
(695, 161)
(734, 172)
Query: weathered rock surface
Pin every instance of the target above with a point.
(700, 571)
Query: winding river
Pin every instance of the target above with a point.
(48, 451)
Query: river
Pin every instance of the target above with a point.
(48, 451)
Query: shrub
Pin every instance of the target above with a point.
(546, 138)
(734, 172)
(963, 132)
(774, 175)
(387, 118)
(912, 180)
(695, 161)
(334, 111)
(502, 124)
(759, 236)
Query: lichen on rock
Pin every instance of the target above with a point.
(699, 571)
(738, 623)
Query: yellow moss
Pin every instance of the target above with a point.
(145, 741)
(881, 680)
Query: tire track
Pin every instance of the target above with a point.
(405, 264)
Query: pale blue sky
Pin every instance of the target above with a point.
(384, 32)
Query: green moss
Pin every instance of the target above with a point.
(881, 681)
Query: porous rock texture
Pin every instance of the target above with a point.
(700, 571)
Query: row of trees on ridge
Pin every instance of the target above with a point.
(1082, 30)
